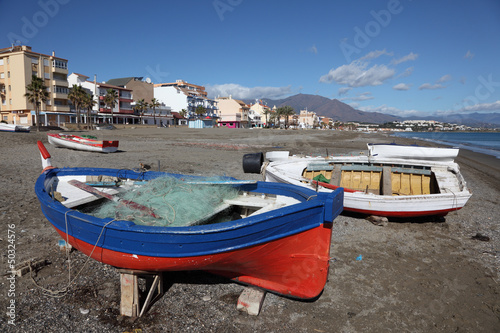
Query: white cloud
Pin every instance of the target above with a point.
(431, 86)
(391, 110)
(356, 74)
(402, 86)
(408, 57)
(376, 54)
(343, 91)
(444, 78)
(240, 92)
(359, 97)
(484, 107)
(406, 73)
(313, 49)
(469, 55)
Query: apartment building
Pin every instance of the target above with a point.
(233, 113)
(123, 112)
(181, 95)
(308, 119)
(17, 65)
(259, 112)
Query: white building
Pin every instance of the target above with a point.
(181, 95)
(122, 112)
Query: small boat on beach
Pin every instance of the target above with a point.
(273, 236)
(13, 128)
(82, 143)
(389, 180)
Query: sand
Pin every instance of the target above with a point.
(425, 275)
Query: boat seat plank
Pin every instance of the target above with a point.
(75, 196)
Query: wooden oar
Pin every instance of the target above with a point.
(128, 203)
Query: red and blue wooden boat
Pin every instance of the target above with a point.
(284, 250)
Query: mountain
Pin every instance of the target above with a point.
(476, 119)
(331, 108)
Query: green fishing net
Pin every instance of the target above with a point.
(174, 202)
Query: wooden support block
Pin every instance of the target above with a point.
(250, 300)
(131, 296)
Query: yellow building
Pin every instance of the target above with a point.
(233, 113)
(17, 65)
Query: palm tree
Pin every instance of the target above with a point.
(88, 103)
(36, 94)
(110, 100)
(267, 112)
(141, 106)
(200, 110)
(76, 96)
(154, 104)
(285, 111)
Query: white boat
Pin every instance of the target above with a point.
(379, 182)
(13, 128)
(82, 143)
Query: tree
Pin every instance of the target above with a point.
(141, 106)
(286, 111)
(154, 104)
(76, 96)
(183, 113)
(36, 94)
(110, 100)
(200, 110)
(267, 112)
(88, 103)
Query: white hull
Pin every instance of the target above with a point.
(13, 128)
(452, 194)
(84, 145)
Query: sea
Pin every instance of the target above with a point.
(480, 142)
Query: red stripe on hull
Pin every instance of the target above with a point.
(295, 266)
(402, 214)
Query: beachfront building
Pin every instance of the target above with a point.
(233, 113)
(182, 96)
(260, 109)
(308, 119)
(17, 65)
(123, 113)
(143, 89)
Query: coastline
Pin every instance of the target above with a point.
(427, 275)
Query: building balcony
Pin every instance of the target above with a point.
(126, 111)
(126, 99)
(60, 95)
(60, 108)
(59, 82)
(59, 70)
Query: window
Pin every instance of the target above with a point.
(2, 75)
(59, 64)
(34, 61)
(47, 75)
(8, 74)
(10, 101)
(4, 101)
(1, 62)
(46, 62)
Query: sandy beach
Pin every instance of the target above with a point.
(425, 275)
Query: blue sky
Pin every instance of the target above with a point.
(406, 58)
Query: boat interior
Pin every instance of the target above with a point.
(384, 179)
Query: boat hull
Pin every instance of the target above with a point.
(14, 128)
(359, 201)
(79, 143)
(285, 251)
